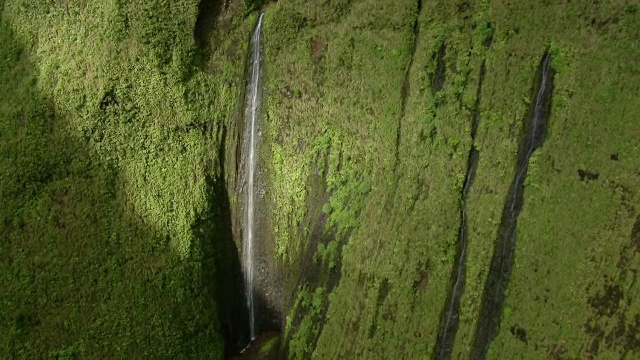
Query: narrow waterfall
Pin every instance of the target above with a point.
(449, 323)
(251, 150)
(504, 252)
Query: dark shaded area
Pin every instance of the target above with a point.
(311, 272)
(422, 283)
(587, 175)
(489, 39)
(264, 347)
(608, 305)
(208, 13)
(626, 195)
(610, 326)
(632, 336)
(109, 99)
(476, 107)
(597, 335)
(404, 93)
(77, 264)
(204, 128)
(463, 8)
(268, 317)
(317, 47)
(439, 77)
(503, 254)
(614, 157)
(450, 314)
(383, 292)
(607, 302)
(519, 333)
(433, 134)
(253, 5)
(25, 322)
(635, 235)
(221, 266)
(557, 351)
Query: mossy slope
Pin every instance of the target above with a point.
(112, 216)
(339, 109)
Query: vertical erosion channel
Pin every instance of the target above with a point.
(250, 160)
(449, 322)
(503, 253)
(404, 92)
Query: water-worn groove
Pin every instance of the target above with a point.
(406, 87)
(449, 321)
(439, 77)
(503, 254)
(208, 13)
(383, 292)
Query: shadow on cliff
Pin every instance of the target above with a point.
(222, 268)
(102, 262)
(208, 13)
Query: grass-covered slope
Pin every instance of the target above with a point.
(119, 123)
(113, 239)
(370, 112)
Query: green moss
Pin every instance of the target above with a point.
(107, 135)
(336, 85)
(111, 120)
(268, 347)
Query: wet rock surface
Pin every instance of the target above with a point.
(504, 251)
(266, 346)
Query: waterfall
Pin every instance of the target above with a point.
(449, 327)
(502, 261)
(251, 147)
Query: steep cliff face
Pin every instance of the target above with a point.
(115, 226)
(373, 109)
(396, 219)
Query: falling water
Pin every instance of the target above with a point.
(504, 251)
(449, 327)
(252, 112)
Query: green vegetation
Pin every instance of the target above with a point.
(390, 155)
(108, 133)
(119, 124)
(268, 347)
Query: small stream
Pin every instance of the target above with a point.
(450, 326)
(449, 321)
(503, 255)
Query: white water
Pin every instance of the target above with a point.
(252, 112)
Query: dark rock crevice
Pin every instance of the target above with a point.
(503, 254)
(221, 269)
(449, 321)
(449, 318)
(313, 274)
(635, 235)
(208, 13)
(439, 77)
(587, 175)
(404, 95)
(383, 292)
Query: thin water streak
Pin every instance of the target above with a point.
(503, 257)
(251, 163)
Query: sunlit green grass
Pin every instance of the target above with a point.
(335, 83)
(111, 120)
(108, 131)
